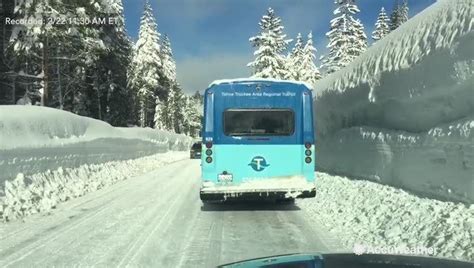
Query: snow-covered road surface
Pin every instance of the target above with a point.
(157, 220)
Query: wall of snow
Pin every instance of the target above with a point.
(37, 139)
(439, 163)
(378, 117)
(35, 127)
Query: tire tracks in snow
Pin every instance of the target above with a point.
(178, 197)
(60, 231)
(78, 242)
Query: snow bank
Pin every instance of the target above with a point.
(438, 163)
(42, 192)
(374, 215)
(33, 126)
(387, 106)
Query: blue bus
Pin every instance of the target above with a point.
(258, 141)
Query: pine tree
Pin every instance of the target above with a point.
(158, 120)
(394, 16)
(146, 66)
(399, 14)
(178, 109)
(8, 92)
(114, 67)
(194, 116)
(381, 26)
(270, 44)
(169, 65)
(169, 110)
(295, 59)
(403, 15)
(347, 39)
(32, 44)
(309, 72)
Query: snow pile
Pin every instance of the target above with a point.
(42, 192)
(33, 126)
(387, 107)
(375, 215)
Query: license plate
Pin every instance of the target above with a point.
(224, 177)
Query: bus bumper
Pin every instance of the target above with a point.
(221, 196)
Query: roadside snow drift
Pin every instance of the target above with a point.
(41, 192)
(35, 139)
(402, 113)
(48, 155)
(360, 212)
(33, 127)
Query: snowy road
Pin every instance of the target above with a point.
(156, 220)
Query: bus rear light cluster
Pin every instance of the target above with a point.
(308, 153)
(209, 152)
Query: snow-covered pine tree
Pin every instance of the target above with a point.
(159, 120)
(347, 39)
(32, 44)
(295, 59)
(309, 72)
(112, 66)
(403, 15)
(270, 44)
(179, 109)
(146, 66)
(168, 109)
(382, 27)
(169, 65)
(8, 92)
(194, 116)
(399, 14)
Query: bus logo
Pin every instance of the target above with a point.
(258, 163)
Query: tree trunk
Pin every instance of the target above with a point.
(44, 67)
(143, 112)
(60, 90)
(96, 87)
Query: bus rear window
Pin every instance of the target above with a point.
(259, 122)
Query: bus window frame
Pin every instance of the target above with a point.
(293, 129)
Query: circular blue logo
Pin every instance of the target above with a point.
(258, 163)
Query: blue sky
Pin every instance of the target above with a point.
(210, 37)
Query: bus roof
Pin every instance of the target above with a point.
(257, 80)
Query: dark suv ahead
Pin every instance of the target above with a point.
(196, 150)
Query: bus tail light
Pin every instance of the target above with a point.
(308, 160)
(208, 159)
(209, 144)
(307, 145)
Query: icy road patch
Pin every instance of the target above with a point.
(368, 213)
